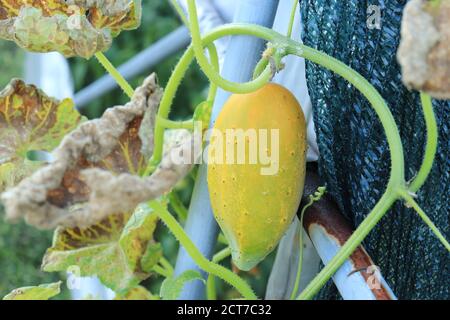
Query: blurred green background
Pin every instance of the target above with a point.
(22, 247)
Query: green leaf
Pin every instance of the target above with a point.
(72, 27)
(137, 293)
(171, 287)
(30, 120)
(111, 250)
(42, 292)
(151, 256)
(202, 113)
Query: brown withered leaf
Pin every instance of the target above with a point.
(126, 157)
(125, 191)
(57, 192)
(95, 169)
(424, 51)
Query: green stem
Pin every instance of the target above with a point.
(292, 19)
(260, 67)
(431, 145)
(211, 283)
(166, 264)
(221, 239)
(316, 196)
(162, 271)
(169, 95)
(180, 12)
(292, 47)
(123, 84)
(178, 206)
(203, 263)
(169, 124)
(214, 57)
(300, 257)
(410, 201)
(209, 71)
(183, 65)
(223, 254)
(211, 293)
(377, 102)
(396, 181)
(166, 102)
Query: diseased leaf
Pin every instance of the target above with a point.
(424, 50)
(100, 235)
(30, 121)
(171, 287)
(73, 27)
(138, 293)
(125, 191)
(125, 15)
(151, 256)
(107, 7)
(111, 250)
(42, 292)
(57, 194)
(95, 170)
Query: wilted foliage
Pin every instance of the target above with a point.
(74, 28)
(30, 121)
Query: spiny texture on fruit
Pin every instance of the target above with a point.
(254, 209)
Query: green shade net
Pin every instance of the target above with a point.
(355, 159)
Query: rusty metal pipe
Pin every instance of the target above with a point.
(358, 278)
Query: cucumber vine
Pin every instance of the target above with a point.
(279, 46)
(396, 189)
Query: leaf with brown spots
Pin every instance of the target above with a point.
(72, 27)
(30, 121)
(112, 250)
(57, 194)
(137, 293)
(42, 292)
(126, 157)
(95, 171)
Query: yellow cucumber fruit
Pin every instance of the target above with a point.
(252, 209)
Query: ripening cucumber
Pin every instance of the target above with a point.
(253, 209)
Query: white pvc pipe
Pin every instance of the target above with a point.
(350, 282)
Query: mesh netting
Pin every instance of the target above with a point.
(355, 160)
